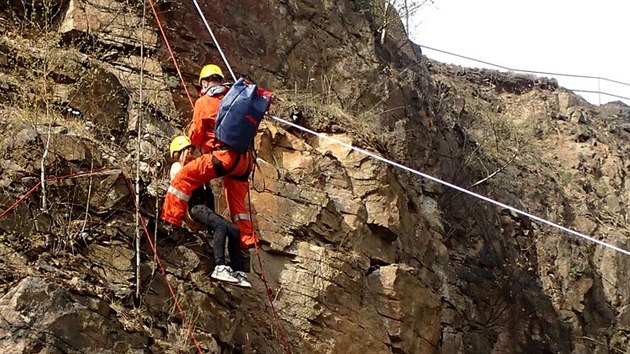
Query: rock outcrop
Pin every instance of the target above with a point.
(359, 256)
(41, 316)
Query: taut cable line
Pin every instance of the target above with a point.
(598, 78)
(450, 185)
(525, 70)
(216, 42)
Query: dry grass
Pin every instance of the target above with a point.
(322, 113)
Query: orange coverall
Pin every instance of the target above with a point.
(201, 132)
(218, 160)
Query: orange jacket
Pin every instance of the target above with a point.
(230, 165)
(201, 132)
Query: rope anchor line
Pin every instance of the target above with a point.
(526, 71)
(450, 185)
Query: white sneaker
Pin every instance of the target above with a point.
(242, 279)
(224, 273)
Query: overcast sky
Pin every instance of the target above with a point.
(573, 37)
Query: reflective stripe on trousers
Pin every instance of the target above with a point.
(238, 217)
(179, 194)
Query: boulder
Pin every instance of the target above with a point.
(77, 150)
(102, 100)
(44, 317)
(109, 21)
(411, 311)
(114, 264)
(321, 286)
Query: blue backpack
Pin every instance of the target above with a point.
(240, 112)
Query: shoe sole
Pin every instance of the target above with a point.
(227, 280)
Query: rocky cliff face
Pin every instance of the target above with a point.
(360, 256)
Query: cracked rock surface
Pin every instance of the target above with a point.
(359, 257)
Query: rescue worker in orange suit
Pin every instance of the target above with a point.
(201, 213)
(217, 160)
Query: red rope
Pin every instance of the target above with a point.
(276, 317)
(144, 226)
(19, 201)
(170, 50)
(162, 269)
(54, 178)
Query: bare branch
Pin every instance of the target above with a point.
(87, 203)
(138, 152)
(505, 165)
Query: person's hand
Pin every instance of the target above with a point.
(169, 230)
(183, 157)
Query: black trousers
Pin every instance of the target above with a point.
(222, 229)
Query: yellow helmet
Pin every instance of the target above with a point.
(210, 70)
(179, 143)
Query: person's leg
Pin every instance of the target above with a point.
(235, 194)
(193, 175)
(246, 260)
(222, 228)
(205, 216)
(236, 253)
(234, 248)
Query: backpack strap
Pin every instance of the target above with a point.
(217, 90)
(222, 171)
(208, 196)
(245, 176)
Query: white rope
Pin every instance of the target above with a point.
(214, 39)
(139, 149)
(463, 190)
